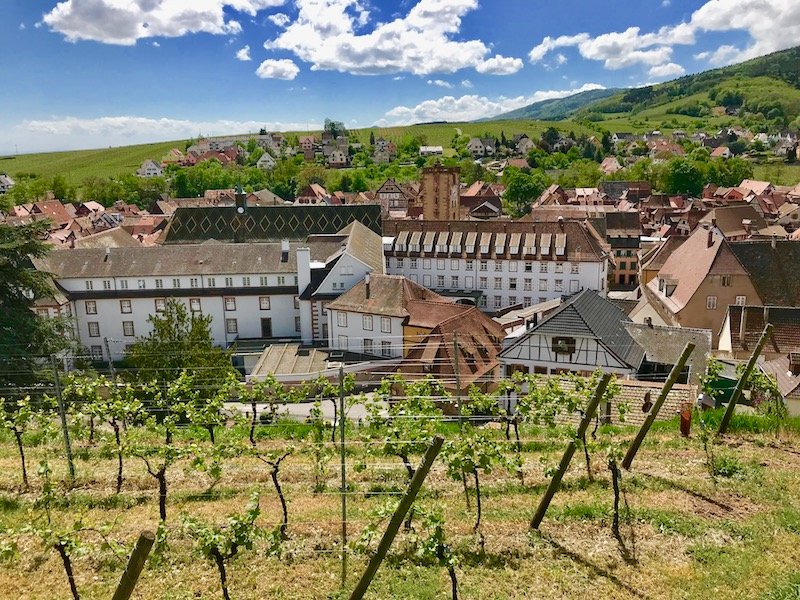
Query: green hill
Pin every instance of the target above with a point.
(557, 109)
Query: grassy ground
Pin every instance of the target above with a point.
(683, 536)
(778, 173)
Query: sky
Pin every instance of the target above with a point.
(99, 73)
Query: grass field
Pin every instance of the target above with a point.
(683, 536)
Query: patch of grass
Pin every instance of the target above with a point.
(785, 590)
(668, 521)
(581, 511)
(727, 465)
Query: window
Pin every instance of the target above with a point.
(297, 301)
(711, 303)
(498, 283)
(741, 300)
(563, 345)
(386, 325)
(231, 326)
(483, 283)
(528, 267)
(454, 282)
(366, 322)
(513, 266)
(245, 282)
(559, 267)
(281, 280)
(426, 263)
(341, 319)
(140, 283)
(527, 284)
(369, 348)
(297, 323)
(211, 281)
(498, 301)
(512, 300)
(176, 283)
(194, 282)
(123, 284)
(470, 265)
(426, 280)
(512, 283)
(526, 301)
(263, 302)
(399, 263)
(161, 304)
(454, 265)
(127, 328)
(559, 285)
(482, 302)
(633, 265)
(194, 304)
(229, 282)
(97, 352)
(440, 281)
(91, 307)
(413, 263)
(230, 303)
(498, 266)
(575, 268)
(347, 270)
(159, 284)
(440, 264)
(89, 285)
(42, 312)
(94, 328)
(263, 281)
(623, 265)
(386, 348)
(125, 306)
(484, 265)
(543, 285)
(725, 280)
(543, 267)
(106, 284)
(573, 285)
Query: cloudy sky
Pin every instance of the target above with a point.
(95, 73)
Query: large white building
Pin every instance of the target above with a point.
(498, 264)
(273, 290)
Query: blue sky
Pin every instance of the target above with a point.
(95, 73)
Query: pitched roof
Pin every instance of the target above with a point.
(587, 314)
(730, 220)
(779, 368)
(389, 295)
(755, 186)
(747, 323)
(773, 269)
(655, 258)
(664, 345)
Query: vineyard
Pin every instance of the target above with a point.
(245, 502)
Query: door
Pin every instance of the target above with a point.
(266, 328)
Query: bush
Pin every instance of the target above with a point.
(727, 465)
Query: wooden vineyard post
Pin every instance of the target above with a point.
(397, 518)
(737, 392)
(555, 482)
(662, 397)
(135, 566)
(344, 474)
(62, 412)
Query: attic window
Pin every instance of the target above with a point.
(564, 345)
(561, 244)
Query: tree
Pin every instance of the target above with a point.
(24, 336)
(682, 176)
(180, 342)
(220, 544)
(522, 189)
(371, 138)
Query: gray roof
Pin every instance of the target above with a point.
(664, 345)
(587, 314)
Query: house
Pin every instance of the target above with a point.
(52, 210)
(610, 165)
(497, 264)
(6, 183)
(393, 196)
(721, 152)
(786, 372)
(524, 145)
(381, 157)
(586, 333)
(621, 138)
(431, 151)
(789, 216)
(738, 222)
(150, 168)
(743, 326)
(252, 291)
(266, 162)
(307, 143)
(481, 194)
(477, 148)
(337, 158)
(759, 188)
(313, 193)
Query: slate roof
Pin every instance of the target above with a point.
(587, 314)
(389, 295)
(785, 321)
(266, 223)
(773, 269)
(664, 345)
(729, 220)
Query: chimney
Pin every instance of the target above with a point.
(284, 251)
(710, 238)
(241, 200)
(743, 328)
(649, 322)
(366, 283)
(746, 224)
(561, 222)
(774, 243)
(108, 254)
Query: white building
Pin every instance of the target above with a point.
(271, 290)
(266, 162)
(6, 183)
(495, 264)
(150, 168)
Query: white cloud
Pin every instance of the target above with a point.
(22, 26)
(666, 71)
(68, 133)
(665, 3)
(283, 68)
(328, 35)
(467, 84)
(279, 19)
(771, 24)
(440, 83)
(560, 59)
(244, 54)
(156, 45)
(499, 65)
(123, 22)
(472, 106)
(398, 78)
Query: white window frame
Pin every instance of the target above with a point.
(341, 318)
(366, 322)
(231, 326)
(128, 329)
(90, 307)
(386, 325)
(263, 303)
